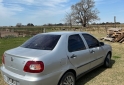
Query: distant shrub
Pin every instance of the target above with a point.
(10, 36)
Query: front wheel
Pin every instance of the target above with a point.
(107, 62)
(67, 79)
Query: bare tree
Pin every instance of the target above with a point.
(84, 12)
(68, 19)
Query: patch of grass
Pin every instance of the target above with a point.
(9, 43)
(116, 57)
(99, 76)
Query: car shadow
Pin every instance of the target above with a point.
(89, 76)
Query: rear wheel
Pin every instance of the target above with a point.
(107, 62)
(67, 79)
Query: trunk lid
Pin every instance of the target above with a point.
(15, 59)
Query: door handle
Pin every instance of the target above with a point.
(92, 51)
(73, 56)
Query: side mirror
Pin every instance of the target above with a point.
(101, 43)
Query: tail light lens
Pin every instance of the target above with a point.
(34, 66)
(3, 60)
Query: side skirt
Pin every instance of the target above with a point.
(80, 75)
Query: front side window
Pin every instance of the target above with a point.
(42, 42)
(91, 41)
(75, 43)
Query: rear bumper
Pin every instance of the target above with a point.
(50, 79)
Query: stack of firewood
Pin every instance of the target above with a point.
(114, 35)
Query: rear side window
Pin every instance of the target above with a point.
(42, 42)
(91, 41)
(75, 43)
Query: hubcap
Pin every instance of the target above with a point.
(69, 80)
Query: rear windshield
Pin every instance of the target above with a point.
(42, 42)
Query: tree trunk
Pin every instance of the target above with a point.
(70, 25)
(84, 25)
(84, 21)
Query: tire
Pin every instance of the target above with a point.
(67, 79)
(107, 62)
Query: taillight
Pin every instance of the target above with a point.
(34, 66)
(3, 60)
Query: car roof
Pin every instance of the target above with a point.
(65, 32)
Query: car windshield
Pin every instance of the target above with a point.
(42, 42)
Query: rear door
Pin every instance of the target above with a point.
(96, 51)
(78, 54)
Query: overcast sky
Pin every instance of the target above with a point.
(41, 12)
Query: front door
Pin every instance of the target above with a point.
(96, 51)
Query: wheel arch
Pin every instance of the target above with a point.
(70, 70)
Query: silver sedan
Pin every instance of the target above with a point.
(54, 58)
